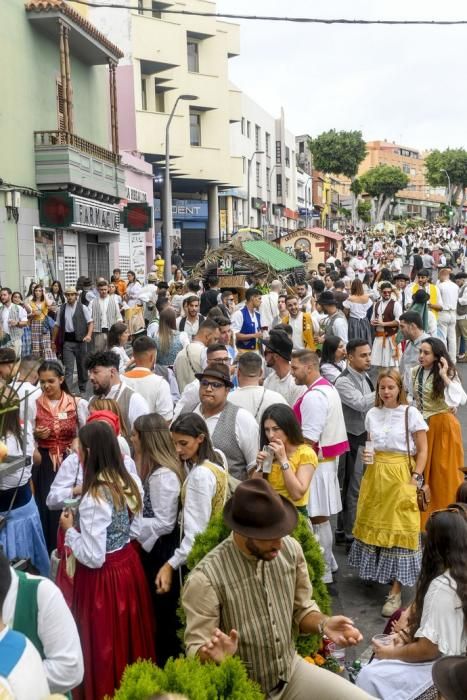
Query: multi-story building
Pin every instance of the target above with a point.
(58, 145)
(419, 198)
(167, 56)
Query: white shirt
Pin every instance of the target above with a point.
(387, 428)
(154, 389)
(33, 392)
(138, 405)
(27, 680)
(69, 311)
(124, 358)
(285, 386)
(237, 321)
(340, 328)
(357, 310)
(269, 308)
(5, 315)
(449, 295)
(314, 409)
(200, 487)
(70, 474)
(15, 449)
(246, 433)
(427, 288)
(164, 493)
(188, 400)
(442, 617)
(190, 328)
(297, 331)
(463, 303)
(56, 628)
(255, 399)
(89, 545)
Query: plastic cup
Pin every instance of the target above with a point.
(370, 448)
(337, 653)
(383, 640)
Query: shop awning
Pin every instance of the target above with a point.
(327, 234)
(270, 255)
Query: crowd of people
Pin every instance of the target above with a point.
(142, 410)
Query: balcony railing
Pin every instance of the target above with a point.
(65, 138)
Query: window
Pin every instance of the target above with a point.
(268, 179)
(287, 186)
(301, 147)
(257, 137)
(193, 56)
(195, 128)
(287, 157)
(144, 99)
(60, 106)
(160, 98)
(141, 7)
(278, 152)
(406, 169)
(258, 174)
(279, 185)
(242, 127)
(268, 143)
(248, 129)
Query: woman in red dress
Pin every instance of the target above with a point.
(111, 600)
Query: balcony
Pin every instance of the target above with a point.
(161, 44)
(62, 158)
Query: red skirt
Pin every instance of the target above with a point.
(112, 608)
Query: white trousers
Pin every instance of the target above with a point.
(447, 324)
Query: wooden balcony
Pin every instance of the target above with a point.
(63, 158)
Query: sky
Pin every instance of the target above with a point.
(404, 84)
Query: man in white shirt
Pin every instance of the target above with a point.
(249, 394)
(269, 309)
(277, 354)
(36, 607)
(106, 383)
(461, 281)
(192, 358)
(104, 312)
(153, 388)
(448, 316)
(13, 318)
(217, 352)
(189, 323)
(233, 430)
(246, 322)
(335, 322)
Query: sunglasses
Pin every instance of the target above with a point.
(214, 385)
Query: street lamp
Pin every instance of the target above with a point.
(443, 170)
(250, 160)
(167, 217)
(309, 179)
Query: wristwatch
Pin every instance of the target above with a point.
(418, 478)
(322, 625)
(285, 466)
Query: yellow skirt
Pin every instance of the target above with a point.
(387, 510)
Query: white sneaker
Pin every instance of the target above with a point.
(393, 603)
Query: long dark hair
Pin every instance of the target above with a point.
(60, 291)
(328, 351)
(167, 324)
(445, 549)
(104, 466)
(193, 425)
(287, 422)
(439, 350)
(56, 367)
(38, 286)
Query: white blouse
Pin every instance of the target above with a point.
(164, 492)
(454, 393)
(89, 544)
(386, 427)
(356, 309)
(200, 489)
(124, 359)
(443, 618)
(70, 474)
(15, 449)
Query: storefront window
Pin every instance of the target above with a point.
(45, 256)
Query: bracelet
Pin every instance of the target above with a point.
(322, 625)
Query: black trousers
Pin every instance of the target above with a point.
(350, 475)
(74, 351)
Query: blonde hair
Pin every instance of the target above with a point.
(391, 373)
(157, 447)
(99, 404)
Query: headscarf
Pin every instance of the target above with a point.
(107, 417)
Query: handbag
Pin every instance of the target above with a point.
(423, 492)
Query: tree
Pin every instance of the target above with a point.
(454, 162)
(364, 211)
(339, 153)
(382, 183)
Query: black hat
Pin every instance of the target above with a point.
(257, 510)
(420, 297)
(401, 276)
(327, 299)
(450, 676)
(279, 343)
(216, 371)
(423, 272)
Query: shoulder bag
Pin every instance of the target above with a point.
(423, 492)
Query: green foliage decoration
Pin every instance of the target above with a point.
(217, 531)
(189, 677)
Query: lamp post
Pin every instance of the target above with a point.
(443, 170)
(167, 217)
(248, 204)
(309, 179)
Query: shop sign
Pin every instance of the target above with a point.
(134, 195)
(300, 232)
(184, 209)
(88, 214)
(137, 216)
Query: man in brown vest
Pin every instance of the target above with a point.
(385, 321)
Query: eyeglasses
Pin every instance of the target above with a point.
(222, 360)
(214, 385)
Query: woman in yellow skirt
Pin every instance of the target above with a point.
(386, 547)
(437, 391)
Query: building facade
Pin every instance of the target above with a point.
(61, 173)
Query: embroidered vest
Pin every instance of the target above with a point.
(224, 439)
(308, 332)
(62, 420)
(388, 315)
(249, 326)
(113, 314)
(222, 480)
(427, 404)
(333, 440)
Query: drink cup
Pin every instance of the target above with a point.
(383, 640)
(268, 460)
(337, 652)
(369, 452)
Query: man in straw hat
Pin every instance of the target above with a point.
(72, 334)
(249, 594)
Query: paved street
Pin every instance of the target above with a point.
(363, 602)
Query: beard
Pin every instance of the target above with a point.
(99, 390)
(263, 556)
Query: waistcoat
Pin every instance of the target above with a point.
(79, 323)
(248, 326)
(224, 438)
(307, 332)
(329, 327)
(423, 395)
(388, 315)
(257, 598)
(222, 480)
(354, 420)
(113, 314)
